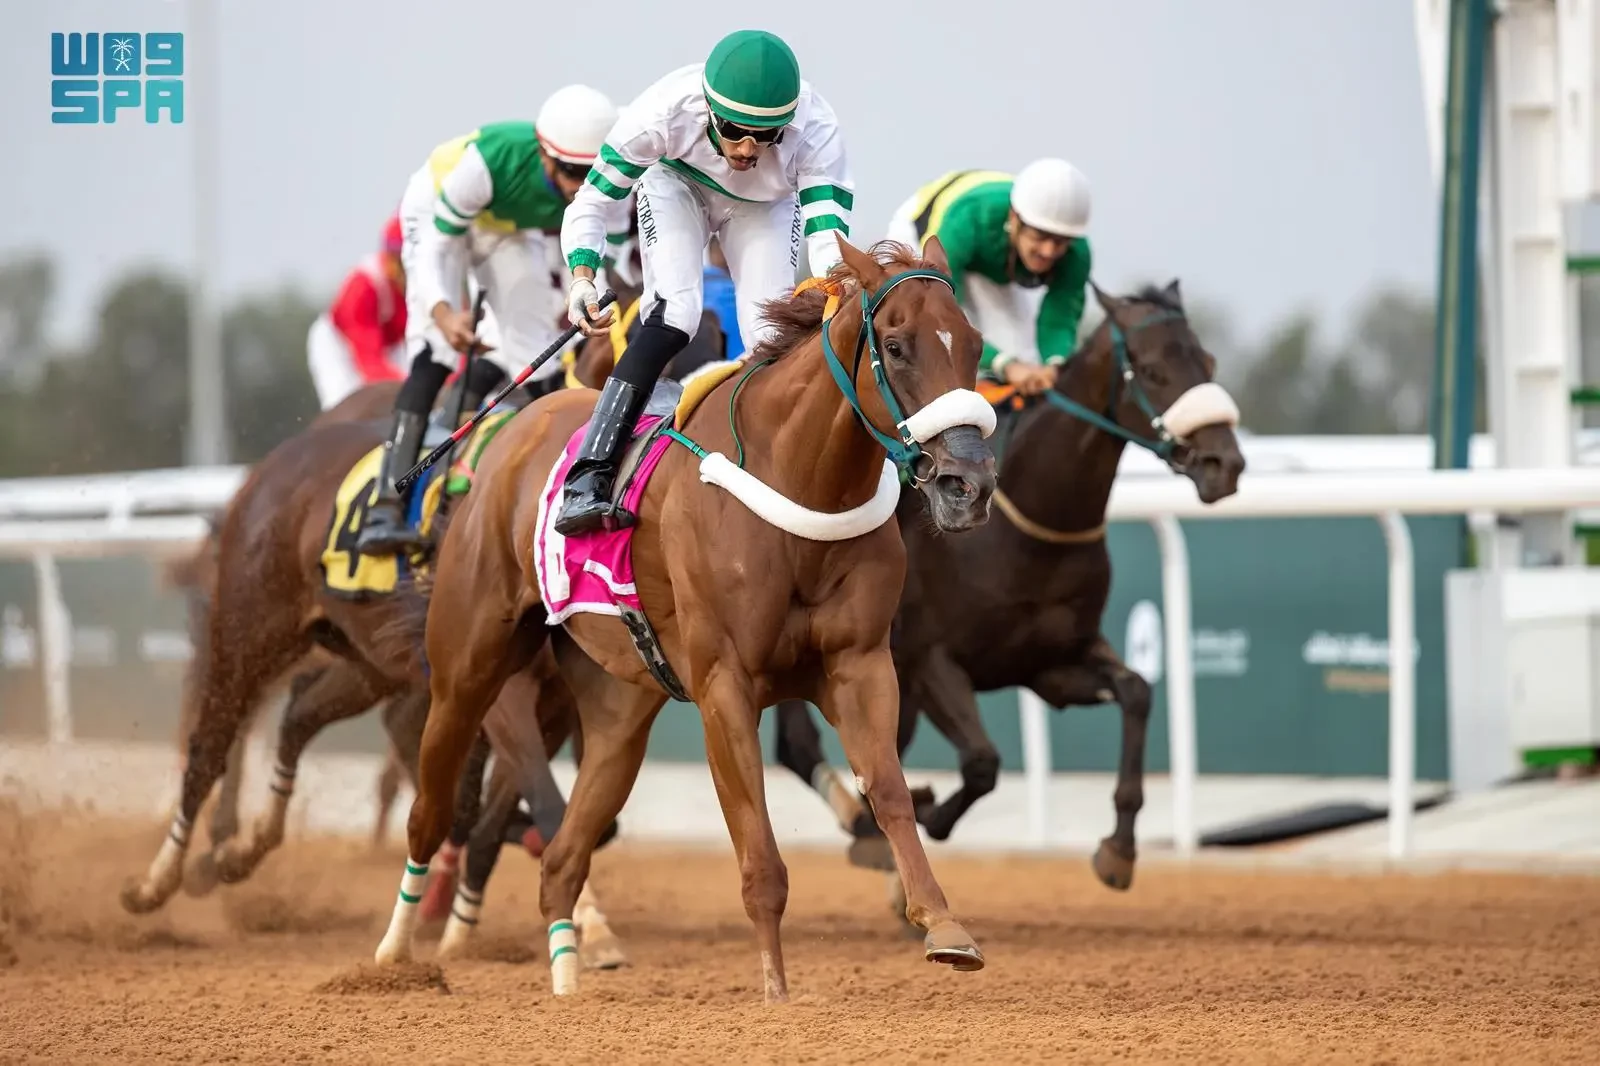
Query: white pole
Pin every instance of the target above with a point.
(1402, 683)
(1182, 756)
(1036, 763)
(207, 440)
(55, 647)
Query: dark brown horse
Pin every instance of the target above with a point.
(752, 598)
(1019, 602)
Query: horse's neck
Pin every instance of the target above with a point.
(1060, 468)
(816, 451)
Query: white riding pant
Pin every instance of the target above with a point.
(1006, 315)
(333, 368)
(677, 219)
(523, 272)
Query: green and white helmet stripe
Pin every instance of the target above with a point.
(753, 79)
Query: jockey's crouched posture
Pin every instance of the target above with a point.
(1020, 259)
(738, 147)
(490, 202)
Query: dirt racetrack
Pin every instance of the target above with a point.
(1193, 965)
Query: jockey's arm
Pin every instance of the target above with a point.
(620, 242)
(442, 247)
(1062, 308)
(826, 190)
(634, 145)
(355, 316)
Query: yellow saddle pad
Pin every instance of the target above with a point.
(345, 571)
(700, 383)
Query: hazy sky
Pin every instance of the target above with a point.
(1270, 153)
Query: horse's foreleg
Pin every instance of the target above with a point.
(482, 848)
(733, 750)
(445, 876)
(616, 731)
(472, 647)
(862, 698)
(1101, 677)
(945, 695)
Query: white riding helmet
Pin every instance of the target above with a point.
(573, 123)
(1052, 195)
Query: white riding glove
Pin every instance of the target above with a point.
(583, 296)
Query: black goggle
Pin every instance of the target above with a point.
(575, 171)
(730, 131)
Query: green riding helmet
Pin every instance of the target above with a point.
(752, 79)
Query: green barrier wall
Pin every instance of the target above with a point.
(1290, 618)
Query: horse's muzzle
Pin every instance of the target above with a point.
(962, 481)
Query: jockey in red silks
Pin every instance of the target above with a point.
(360, 338)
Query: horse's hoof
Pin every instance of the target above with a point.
(200, 876)
(135, 900)
(923, 803)
(1114, 869)
(948, 943)
(872, 853)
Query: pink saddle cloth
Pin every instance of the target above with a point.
(592, 572)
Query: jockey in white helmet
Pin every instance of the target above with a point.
(738, 147)
(485, 210)
(1019, 253)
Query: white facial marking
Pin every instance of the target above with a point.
(944, 335)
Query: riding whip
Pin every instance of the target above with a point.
(405, 480)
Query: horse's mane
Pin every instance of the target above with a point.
(797, 316)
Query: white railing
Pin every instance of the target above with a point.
(1383, 496)
(46, 518)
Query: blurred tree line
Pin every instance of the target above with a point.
(121, 402)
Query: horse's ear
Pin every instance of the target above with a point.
(1172, 294)
(933, 252)
(1108, 304)
(865, 268)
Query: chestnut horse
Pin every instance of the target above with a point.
(745, 611)
(1019, 603)
(265, 612)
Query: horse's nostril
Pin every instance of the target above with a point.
(956, 489)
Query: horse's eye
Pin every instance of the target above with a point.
(893, 348)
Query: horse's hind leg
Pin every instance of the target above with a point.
(1100, 677)
(341, 690)
(616, 730)
(250, 643)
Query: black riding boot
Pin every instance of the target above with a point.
(588, 505)
(385, 530)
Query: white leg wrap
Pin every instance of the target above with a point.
(396, 943)
(463, 922)
(564, 961)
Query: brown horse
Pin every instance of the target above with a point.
(1019, 603)
(266, 611)
(753, 597)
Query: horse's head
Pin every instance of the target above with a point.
(1162, 388)
(924, 361)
